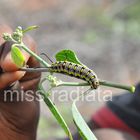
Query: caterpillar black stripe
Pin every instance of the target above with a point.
(77, 71)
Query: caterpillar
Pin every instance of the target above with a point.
(77, 71)
(71, 69)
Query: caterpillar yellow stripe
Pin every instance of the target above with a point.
(77, 71)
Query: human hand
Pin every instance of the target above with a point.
(19, 112)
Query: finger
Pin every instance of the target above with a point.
(31, 84)
(32, 62)
(31, 79)
(9, 77)
(6, 61)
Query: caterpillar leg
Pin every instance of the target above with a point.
(86, 92)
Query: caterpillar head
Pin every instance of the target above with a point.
(95, 83)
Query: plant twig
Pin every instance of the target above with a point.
(34, 55)
(37, 69)
(116, 85)
(54, 110)
(102, 82)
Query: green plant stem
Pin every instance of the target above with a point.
(116, 85)
(34, 55)
(73, 84)
(54, 110)
(103, 83)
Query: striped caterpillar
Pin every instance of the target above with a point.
(77, 71)
(71, 69)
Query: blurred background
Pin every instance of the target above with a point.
(105, 34)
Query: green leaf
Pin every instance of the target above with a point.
(81, 125)
(55, 111)
(17, 56)
(30, 28)
(67, 55)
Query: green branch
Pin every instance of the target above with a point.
(103, 83)
(55, 112)
(34, 55)
(116, 85)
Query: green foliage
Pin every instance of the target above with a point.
(30, 28)
(82, 127)
(17, 35)
(55, 111)
(67, 55)
(133, 89)
(17, 56)
(7, 37)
